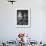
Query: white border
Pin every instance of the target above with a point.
(29, 18)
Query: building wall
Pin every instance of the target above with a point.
(8, 30)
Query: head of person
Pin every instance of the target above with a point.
(20, 16)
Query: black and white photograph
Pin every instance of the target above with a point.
(23, 16)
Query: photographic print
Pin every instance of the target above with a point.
(23, 17)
